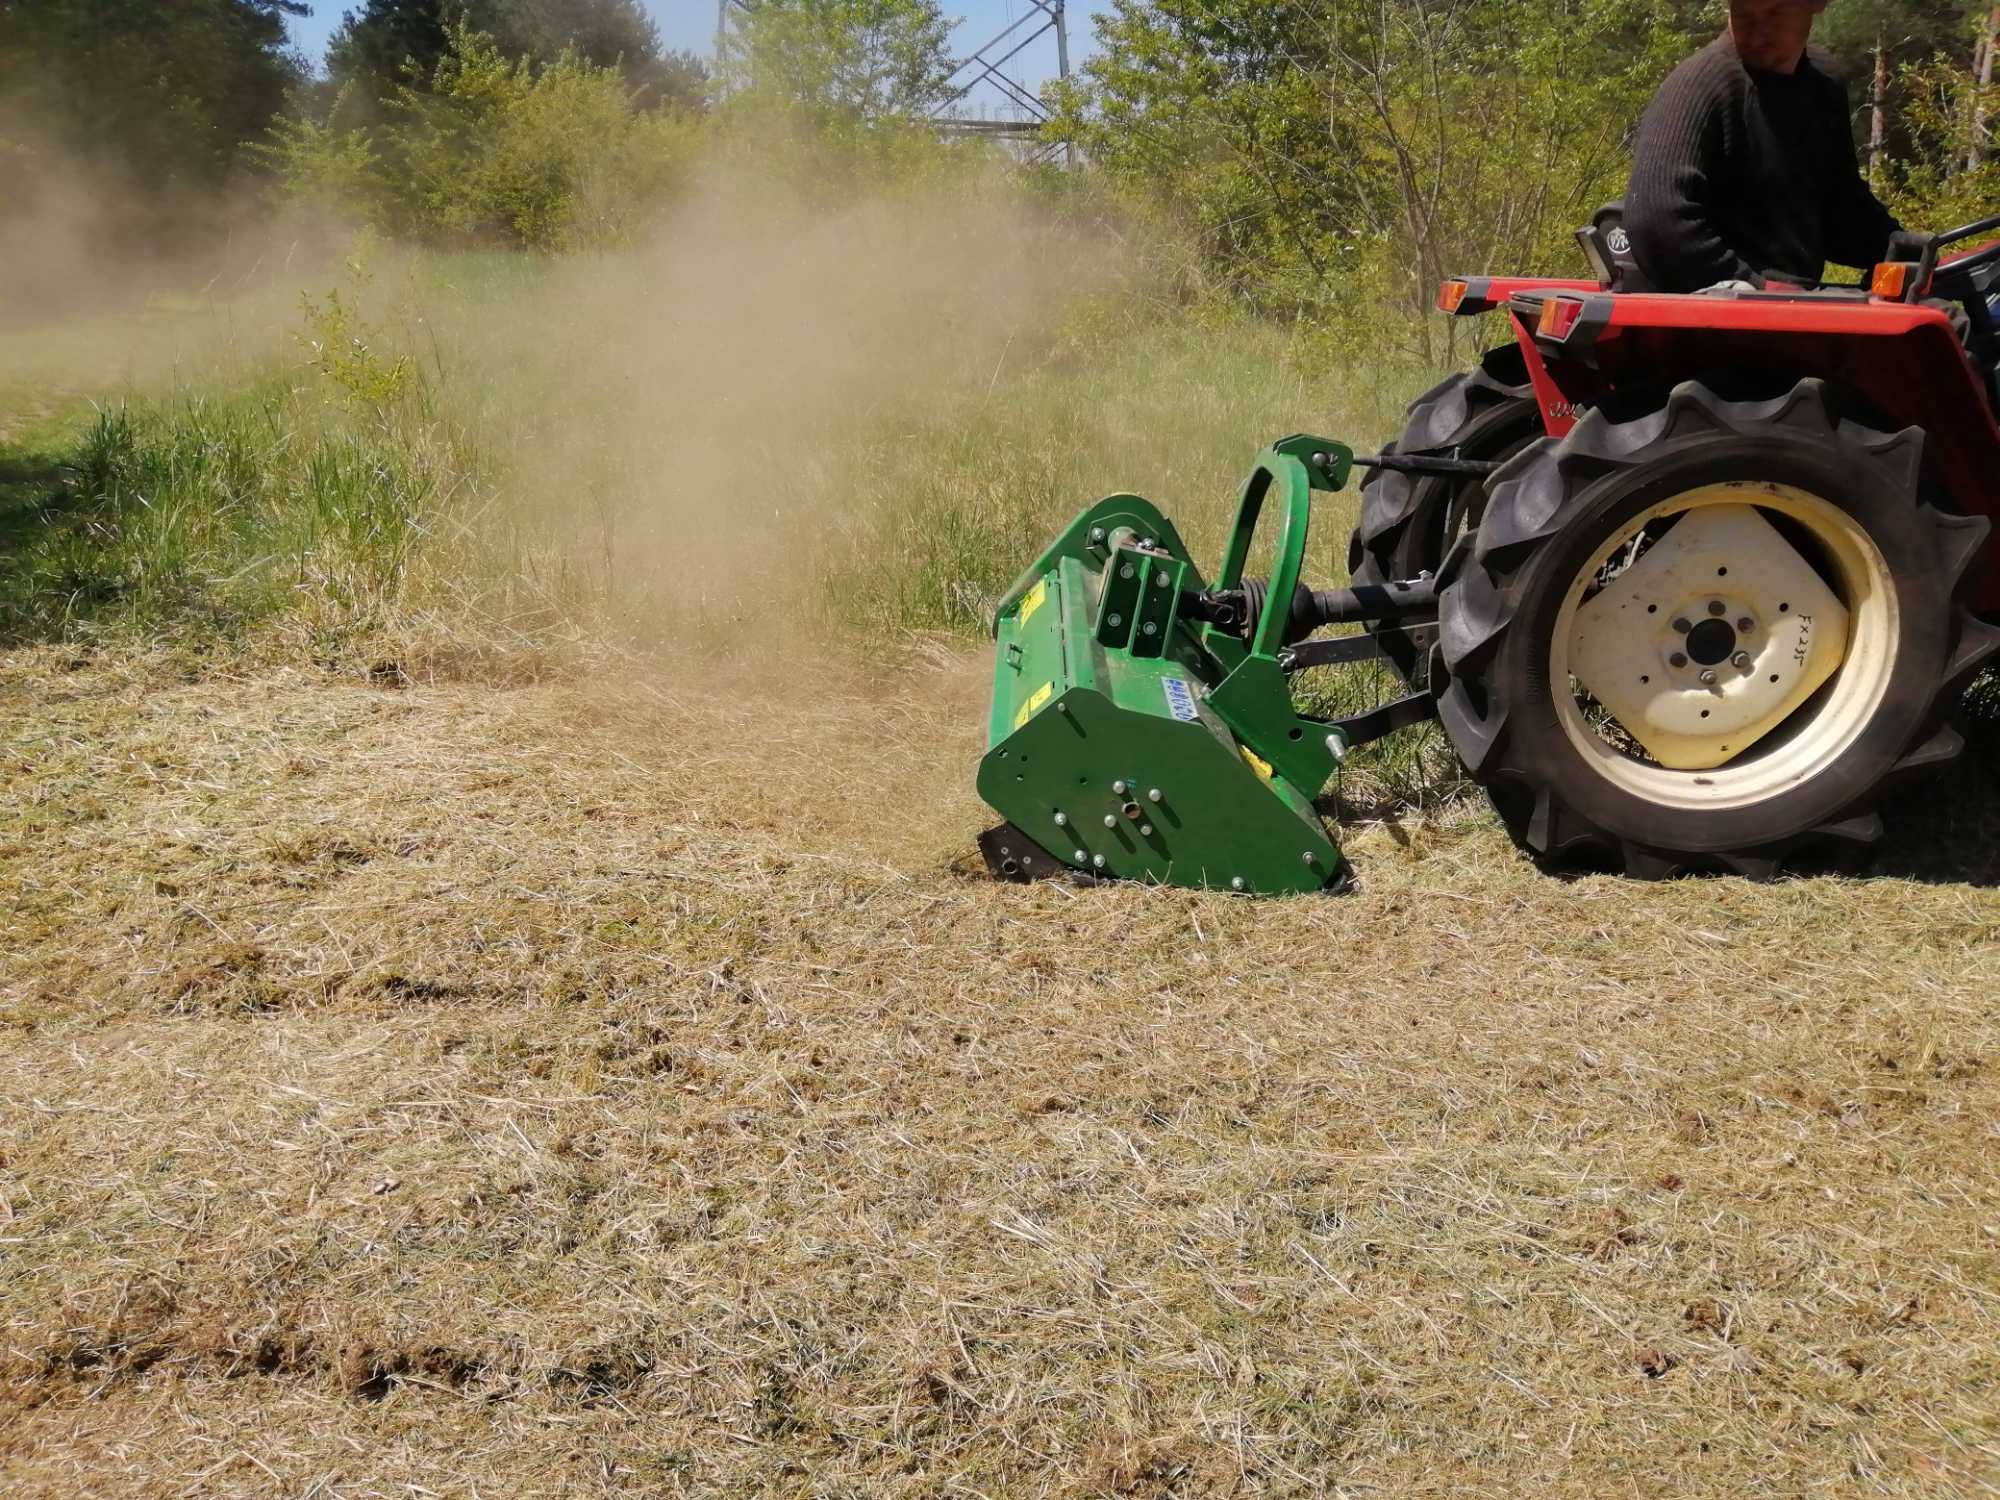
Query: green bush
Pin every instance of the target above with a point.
(549, 156)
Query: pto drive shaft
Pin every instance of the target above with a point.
(1239, 609)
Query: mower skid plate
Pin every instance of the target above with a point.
(1103, 753)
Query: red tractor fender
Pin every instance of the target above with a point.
(1582, 344)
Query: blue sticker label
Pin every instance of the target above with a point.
(1180, 698)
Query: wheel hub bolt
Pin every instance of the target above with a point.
(1708, 674)
(1678, 660)
(1740, 661)
(1062, 820)
(1683, 625)
(1118, 787)
(1745, 625)
(1717, 607)
(1112, 822)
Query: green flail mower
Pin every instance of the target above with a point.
(1143, 726)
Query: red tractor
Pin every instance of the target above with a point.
(1690, 581)
(1711, 571)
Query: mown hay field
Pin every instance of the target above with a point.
(466, 1037)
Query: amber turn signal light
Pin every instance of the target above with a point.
(1891, 280)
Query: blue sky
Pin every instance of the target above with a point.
(689, 25)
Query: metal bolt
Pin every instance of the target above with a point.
(1118, 788)
(1126, 571)
(1081, 856)
(1153, 795)
(1746, 624)
(1097, 533)
(1114, 620)
(1097, 861)
(1740, 661)
(1162, 579)
(1320, 459)
(1683, 625)
(1677, 660)
(1149, 544)
(1310, 858)
(1149, 628)
(1717, 607)
(1062, 820)
(1110, 821)
(1707, 675)
(1146, 830)
(1236, 883)
(1336, 746)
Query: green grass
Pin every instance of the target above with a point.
(209, 515)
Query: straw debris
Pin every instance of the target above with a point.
(623, 1086)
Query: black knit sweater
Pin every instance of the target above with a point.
(1736, 173)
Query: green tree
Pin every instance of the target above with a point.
(389, 40)
(684, 82)
(1327, 156)
(387, 43)
(547, 156)
(857, 59)
(1877, 43)
(172, 92)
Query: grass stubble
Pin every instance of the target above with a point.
(609, 1074)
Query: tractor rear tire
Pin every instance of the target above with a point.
(1813, 728)
(1408, 521)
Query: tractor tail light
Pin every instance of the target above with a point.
(1451, 296)
(1558, 317)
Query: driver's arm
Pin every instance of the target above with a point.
(1667, 206)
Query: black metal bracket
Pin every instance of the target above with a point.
(1417, 708)
(1012, 855)
(1341, 650)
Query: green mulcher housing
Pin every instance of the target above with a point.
(1142, 727)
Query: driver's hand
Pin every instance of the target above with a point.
(1726, 289)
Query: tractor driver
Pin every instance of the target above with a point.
(1744, 165)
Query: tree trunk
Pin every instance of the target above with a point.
(1983, 75)
(1878, 126)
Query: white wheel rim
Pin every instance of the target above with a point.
(1616, 642)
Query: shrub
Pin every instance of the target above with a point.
(552, 156)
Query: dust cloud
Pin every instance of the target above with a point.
(665, 436)
(693, 420)
(112, 286)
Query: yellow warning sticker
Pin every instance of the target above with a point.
(1040, 696)
(1032, 600)
(1257, 762)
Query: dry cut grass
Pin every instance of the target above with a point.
(423, 1088)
